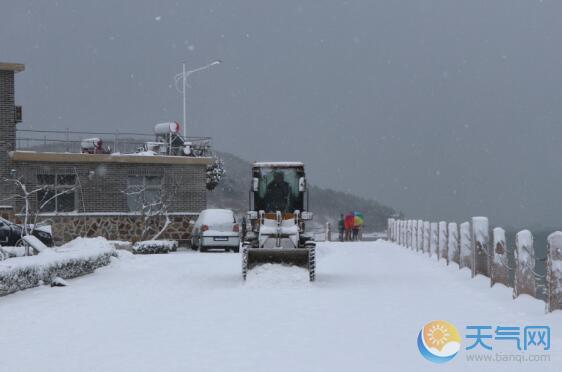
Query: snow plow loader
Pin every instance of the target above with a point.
(274, 228)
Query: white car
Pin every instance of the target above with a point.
(216, 229)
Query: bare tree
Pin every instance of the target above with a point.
(33, 203)
(153, 209)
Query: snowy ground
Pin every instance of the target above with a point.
(188, 311)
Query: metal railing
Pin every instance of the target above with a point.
(70, 141)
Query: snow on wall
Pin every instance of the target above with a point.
(465, 246)
(453, 252)
(499, 268)
(524, 278)
(480, 244)
(554, 272)
(419, 246)
(443, 240)
(434, 239)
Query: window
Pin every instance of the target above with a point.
(58, 193)
(144, 193)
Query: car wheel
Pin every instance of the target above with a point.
(236, 250)
(201, 247)
(20, 243)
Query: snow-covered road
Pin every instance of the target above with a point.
(191, 312)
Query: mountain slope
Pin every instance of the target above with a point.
(327, 204)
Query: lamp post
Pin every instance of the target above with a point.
(182, 76)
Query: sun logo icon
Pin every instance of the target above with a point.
(439, 341)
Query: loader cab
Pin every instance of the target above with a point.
(278, 187)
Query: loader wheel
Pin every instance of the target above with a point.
(244, 262)
(312, 263)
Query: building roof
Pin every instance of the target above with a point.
(61, 157)
(16, 67)
(278, 164)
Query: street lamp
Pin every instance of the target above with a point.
(182, 76)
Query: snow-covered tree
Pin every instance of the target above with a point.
(215, 172)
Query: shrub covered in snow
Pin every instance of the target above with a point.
(155, 246)
(78, 257)
(215, 172)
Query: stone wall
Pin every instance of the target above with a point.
(130, 228)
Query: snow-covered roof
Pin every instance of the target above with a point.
(142, 158)
(278, 164)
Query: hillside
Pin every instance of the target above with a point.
(327, 204)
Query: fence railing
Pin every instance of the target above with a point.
(468, 246)
(70, 141)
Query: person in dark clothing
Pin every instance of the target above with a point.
(277, 195)
(355, 232)
(341, 227)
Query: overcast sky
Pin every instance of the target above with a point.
(442, 109)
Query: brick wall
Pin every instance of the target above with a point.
(103, 186)
(7, 130)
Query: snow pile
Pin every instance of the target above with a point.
(12, 252)
(78, 257)
(155, 246)
(276, 276)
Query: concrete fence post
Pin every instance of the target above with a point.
(419, 247)
(426, 237)
(481, 255)
(390, 229)
(554, 272)
(465, 246)
(410, 233)
(415, 235)
(453, 251)
(499, 268)
(400, 232)
(434, 239)
(443, 240)
(524, 278)
(407, 240)
(328, 232)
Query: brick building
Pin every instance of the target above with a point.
(114, 196)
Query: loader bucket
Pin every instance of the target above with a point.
(291, 257)
(301, 257)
